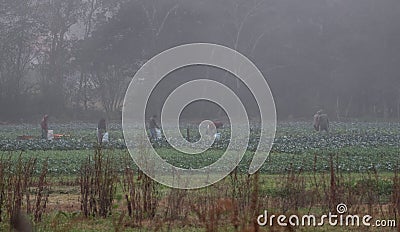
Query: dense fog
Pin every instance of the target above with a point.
(74, 59)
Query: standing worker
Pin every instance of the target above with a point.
(321, 121)
(316, 120)
(153, 127)
(101, 130)
(44, 125)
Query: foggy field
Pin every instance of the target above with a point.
(325, 73)
(358, 146)
(291, 137)
(362, 159)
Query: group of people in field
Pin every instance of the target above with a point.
(155, 130)
(101, 128)
(321, 123)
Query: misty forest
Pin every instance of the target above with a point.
(72, 59)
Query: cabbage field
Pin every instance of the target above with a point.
(291, 137)
(72, 184)
(358, 146)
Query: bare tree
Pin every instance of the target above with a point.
(19, 31)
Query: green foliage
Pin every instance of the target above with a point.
(292, 138)
(358, 147)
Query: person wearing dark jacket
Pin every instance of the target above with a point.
(153, 128)
(101, 130)
(321, 121)
(44, 125)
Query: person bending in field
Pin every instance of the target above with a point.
(44, 125)
(101, 130)
(321, 121)
(153, 128)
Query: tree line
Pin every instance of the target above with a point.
(75, 58)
